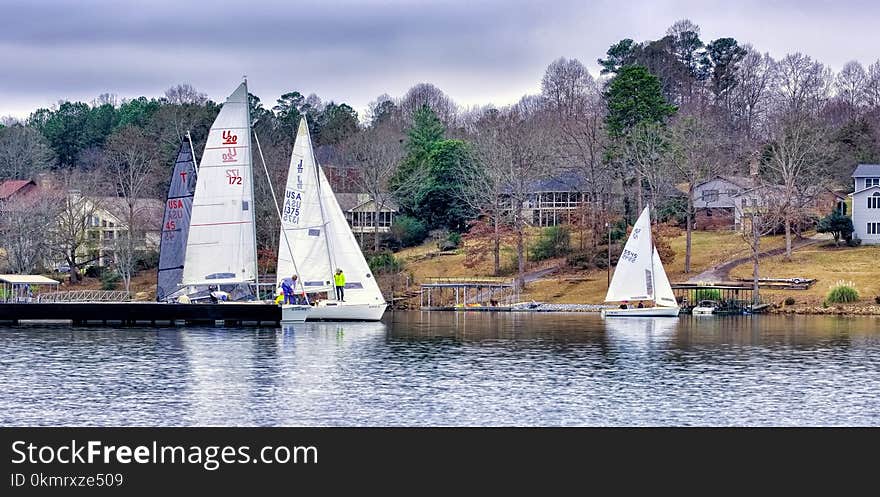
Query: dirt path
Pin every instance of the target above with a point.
(721, 272)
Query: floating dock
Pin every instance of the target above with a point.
(142, 313)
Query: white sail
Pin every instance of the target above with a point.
(318, 233)
(302, 221)
(663, 295)
(221, 244)
(633, 277)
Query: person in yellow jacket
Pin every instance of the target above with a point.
(339, 281)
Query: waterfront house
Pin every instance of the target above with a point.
(866, 203)
(719, 201)
(108, 223)
(360, 212)
(557, 199)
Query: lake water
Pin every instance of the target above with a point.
(450, 369)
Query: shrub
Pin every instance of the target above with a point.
(706, 294)
(854, 241)
(840, 226)
(385, 262)
(94, 271)
(109, 279)
(454, 238)
(555, 241)
(409, 231)
(842, 292)
(789, 301)
(147, 260)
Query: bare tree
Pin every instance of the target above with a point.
(133, 167)
(647, 148)
(850, 84)
(428, 94)
(24, 153)
(695, 157)
(183, 94)
(872, 85)
(376, 152)
(573, 98)
(803, 84)
(23, 232)
(76, 207)
(751, 96)
(798, 155)
(513, 146)
(758, 222)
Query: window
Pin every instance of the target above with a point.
(745, 203)
(873, 229)
(104, 223)
(731, 192)
(710, 195)
(108, 235)
(869, 182)
(874, 201)
(95, 221)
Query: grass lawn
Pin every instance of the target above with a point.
(828, 265)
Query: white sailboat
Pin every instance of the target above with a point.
(221, 247)
(640, 277)
(320, 242)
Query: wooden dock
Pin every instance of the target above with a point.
(142, 313)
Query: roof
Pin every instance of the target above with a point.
(864, 170)
(740, 181)
(11, 187)
(351, 201)
(863, 190)
(149, 211)
(27, 279)
(565, 181)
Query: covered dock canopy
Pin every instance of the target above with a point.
(16, 287)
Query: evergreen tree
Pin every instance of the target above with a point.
(633, 97)
(426, 132)
(440, 201)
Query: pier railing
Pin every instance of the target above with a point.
(85, 296)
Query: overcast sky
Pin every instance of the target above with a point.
(478, 52)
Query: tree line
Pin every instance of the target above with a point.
(666, 112)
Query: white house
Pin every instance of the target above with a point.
(866, 203)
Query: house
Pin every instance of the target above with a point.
(107, 224)
(719, 201)
(360, 212)
(15, 189)
(555, 200)
(866, 203)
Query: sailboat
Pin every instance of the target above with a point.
(639, 276)
(221, 247)
(316, 240)
(175, 224)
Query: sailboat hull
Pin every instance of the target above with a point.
(643, 312)
(344, 311)
(294, 313)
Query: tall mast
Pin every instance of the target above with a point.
(192, 151)
(278, 211)
(651, 238)
(247, 107)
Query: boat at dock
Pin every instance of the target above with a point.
(175, 224)
(640, 277)
(316, 240)
(221, 249)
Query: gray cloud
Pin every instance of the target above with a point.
(477, 51)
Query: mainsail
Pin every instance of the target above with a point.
(639, 274)
(318, 233)
(222, 241)
(175, 224)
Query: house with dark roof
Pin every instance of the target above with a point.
(360, 211)
(718, 201)
(557, 199)
(866, 203)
